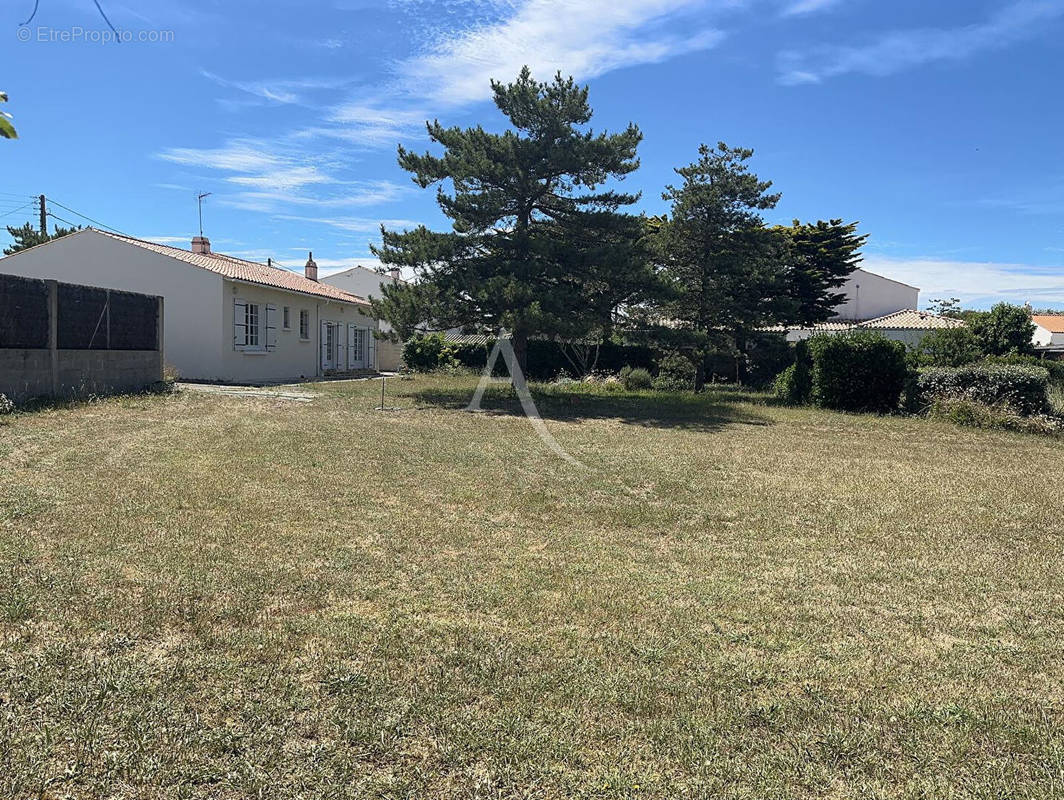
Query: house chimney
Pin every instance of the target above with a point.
(393, 273)
(311, 269)
(201, 245)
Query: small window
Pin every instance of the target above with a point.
(286, 318)
(251, 323)
(304, 324)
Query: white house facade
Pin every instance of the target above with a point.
(1049, 332)
(226, 319)
(365, 282)
(870, 296)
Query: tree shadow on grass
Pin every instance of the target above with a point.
(707, 412)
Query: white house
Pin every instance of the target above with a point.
(365, 282)
(1049, 332)
(226, 319)
(874, 302)
(870, 296)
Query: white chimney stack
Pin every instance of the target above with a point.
(201, 245)
(311, 268)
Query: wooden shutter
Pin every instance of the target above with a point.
(371, 356)
(341, 346)
(352, 347)
(271, 328)
(324, 345)
(240, 326)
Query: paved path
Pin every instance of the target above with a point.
(249, 391)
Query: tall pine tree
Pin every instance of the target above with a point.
(27, 236)
(539, 243)
(722, 265)
(821, 257)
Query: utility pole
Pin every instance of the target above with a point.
(44, 216)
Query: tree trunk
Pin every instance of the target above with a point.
(700, 375)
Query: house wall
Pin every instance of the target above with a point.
(869, 296)
(192, 295)
(1043, 337)
(367, 283)
(292, 358)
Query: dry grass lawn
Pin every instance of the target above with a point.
(216, 597)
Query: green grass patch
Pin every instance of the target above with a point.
(207, 596)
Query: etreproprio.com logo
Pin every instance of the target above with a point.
(77, 34)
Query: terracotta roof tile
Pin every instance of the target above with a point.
(1054, 323)
(242, 270)
(910, 319)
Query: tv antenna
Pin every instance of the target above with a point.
(199, 203)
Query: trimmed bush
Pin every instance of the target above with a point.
(1054, 368)
(636, 380)
(675, 374)
(858, 371)
(428, 353)
(1023, 389)
(6, 405)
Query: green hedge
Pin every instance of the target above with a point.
(1021, 388)
(427, 353)
(1054, 368)
(858, 371)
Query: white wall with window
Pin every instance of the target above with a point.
(278, 335)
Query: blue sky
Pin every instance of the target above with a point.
(937, 125)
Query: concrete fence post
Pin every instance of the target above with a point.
(53, 333)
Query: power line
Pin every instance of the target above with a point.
(55, 202)
(9, 213)
(56, 216)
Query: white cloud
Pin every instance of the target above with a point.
(239, 155)
(974, 282)
(283, 91)
(583, 38)
(904, 49)
(808, 6)
(353, 224)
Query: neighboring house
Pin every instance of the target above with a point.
(226, 319)
(1049, 332)
(870, 296)
(907, 326)
(367, 283)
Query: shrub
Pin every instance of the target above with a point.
(949, 347)
(1023, 389)
(1004, 330)
(767, 355)
(6, 405)
(1054, 368)
(427, 353)
(858, 371)
(793, 385)
(675, 374)
(637, 379)
(974, 414)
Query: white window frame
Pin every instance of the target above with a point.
(286, 318)
(253, 326)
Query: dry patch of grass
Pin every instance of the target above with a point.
(209, 596)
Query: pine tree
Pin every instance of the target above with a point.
(722, 265)
(821, 256)
(538, 242)
(27, 236)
